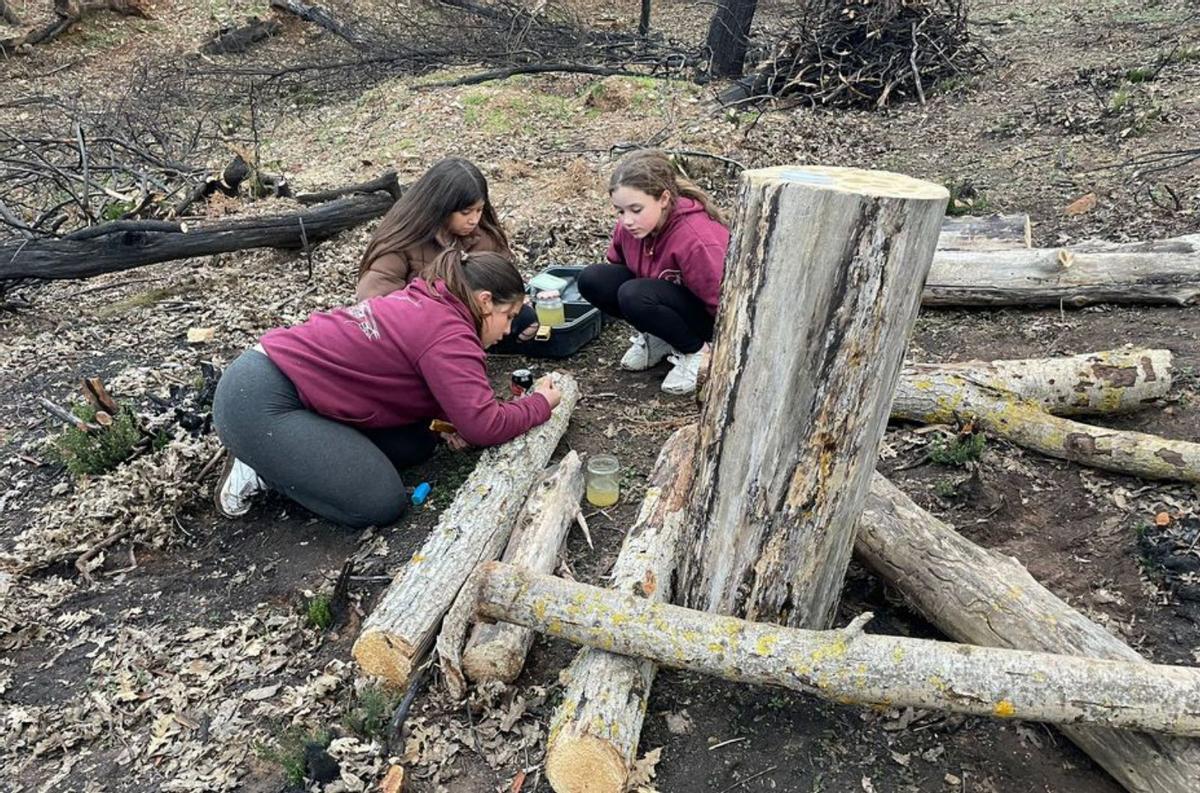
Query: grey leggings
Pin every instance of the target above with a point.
(341, 473)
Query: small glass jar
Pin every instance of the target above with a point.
(549, 307)
(603, 480)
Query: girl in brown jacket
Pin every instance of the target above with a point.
(446, 208)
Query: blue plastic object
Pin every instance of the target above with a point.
(419, 494)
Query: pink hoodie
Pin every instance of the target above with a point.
(409, 356)
(690, 250)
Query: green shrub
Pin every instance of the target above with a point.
(320, 611)
(372, 711)
(287, 751)
(99, 451)
(959, 450)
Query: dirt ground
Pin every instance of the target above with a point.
(189, 661)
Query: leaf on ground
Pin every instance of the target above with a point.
(642, 773)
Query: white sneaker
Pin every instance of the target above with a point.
(236, 488)
(682, 377)
(645, 351)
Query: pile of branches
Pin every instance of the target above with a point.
(868, 53)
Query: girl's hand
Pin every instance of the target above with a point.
(455, 441)
(545, 386)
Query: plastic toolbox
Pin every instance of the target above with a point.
(584, 321)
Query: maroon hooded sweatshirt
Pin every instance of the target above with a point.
(689, 250)
(409, 356)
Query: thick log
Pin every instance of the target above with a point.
(949, 399)
(123, 245)
(1162, 272)
(230, 40)
(849, 666)
(474, 528)
(1108, 381)
(981, 597)
(496, 651)
(324, 19)
(594, 732)
(821, 288)
(986, 233)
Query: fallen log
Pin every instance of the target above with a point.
(496, 651)
(324, 19)
(986, 233)
(1166, 272)
(849, 666)
(232, 40)
(594, 732)
(982, 597)
(123, 245)
(821, 289)
(1109, 381)
(948, 399)
(66, 14)
(474, 528)
(8, 15)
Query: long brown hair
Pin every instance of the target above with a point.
(652, 172)
(464, 274)
(450, 186)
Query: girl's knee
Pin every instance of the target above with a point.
(593, 281)
(633, 295)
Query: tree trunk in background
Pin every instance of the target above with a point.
(729, 36)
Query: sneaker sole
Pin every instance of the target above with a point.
(226, 467)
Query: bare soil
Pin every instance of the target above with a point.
(188, 659)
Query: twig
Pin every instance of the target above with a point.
(306, 248)
(582, 521)
(81, 562)
(212, 462)
(68, 416)
(727, 743)
(294, 297)
(539, 68)
(750, 778)
(912, 60)
(396, 727)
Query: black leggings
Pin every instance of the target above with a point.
(341, 473)
(652, 305)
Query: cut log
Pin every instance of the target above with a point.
(849, 666)
(1163, 272)
(594, 732)
(496, 651)
(981, 597)
(1109, 381)
(231, 40)
(949, 399)
(821, 288)
(474, 528)
(987, 233)
(123, 245)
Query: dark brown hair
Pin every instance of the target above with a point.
(467, 273)
(652, 172)
(450, 186)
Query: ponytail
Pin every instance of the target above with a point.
(464, 274)
(652, 172)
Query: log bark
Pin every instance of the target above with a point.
(729, 36)
(496, 651)
(123, 245)
(1108, 381)
(594, 732)
(474, 528)
(1162, 272)
(821, 288)
(982, 597)
(951, 399)
(849, 666)
(986, 233)
(230, 40)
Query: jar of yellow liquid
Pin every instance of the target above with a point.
(603, 486)
(549, 307)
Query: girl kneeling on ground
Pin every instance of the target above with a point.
(326, 412)
(447, 208)
(667, 257)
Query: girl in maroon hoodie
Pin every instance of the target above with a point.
(666, 259)
(327, 411)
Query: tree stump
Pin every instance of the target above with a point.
(822, 286)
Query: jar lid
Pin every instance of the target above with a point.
(549, 294)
